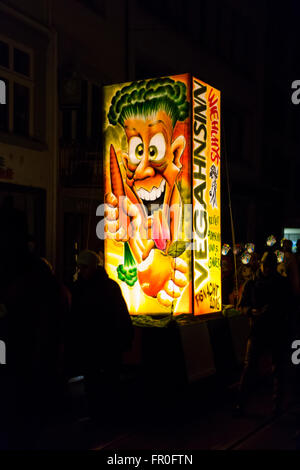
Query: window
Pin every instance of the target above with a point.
(16, 66)
(4, 109)
(4, 54)
(82, 122)
(21, 109)
(21, 62)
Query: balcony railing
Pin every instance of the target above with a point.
(79, 166)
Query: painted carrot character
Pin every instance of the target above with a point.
(148, 112)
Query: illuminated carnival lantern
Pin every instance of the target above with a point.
(271, 240)
(225, 249)
(250, 247)
(280, 256)
(246, 257)
(162, 194)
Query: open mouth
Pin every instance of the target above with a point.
(153, 199)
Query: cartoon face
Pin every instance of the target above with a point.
(153, 160)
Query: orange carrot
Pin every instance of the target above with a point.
(117, 187)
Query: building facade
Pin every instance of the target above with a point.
(91, 53)
(28, 127)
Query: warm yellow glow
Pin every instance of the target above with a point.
(148, 158)
(206, 198)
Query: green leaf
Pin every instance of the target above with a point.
(121, 276)
(177, 248)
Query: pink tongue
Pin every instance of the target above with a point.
(160, 234)
(160, 244)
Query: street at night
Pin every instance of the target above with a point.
(201, 419)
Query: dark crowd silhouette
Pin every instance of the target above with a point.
(53, 333)
(265, 288)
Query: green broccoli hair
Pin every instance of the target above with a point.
(147, 97)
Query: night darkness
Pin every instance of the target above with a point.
(252, 56)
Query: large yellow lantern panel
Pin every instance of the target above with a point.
(162, 194)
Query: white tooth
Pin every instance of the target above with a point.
(153, 194)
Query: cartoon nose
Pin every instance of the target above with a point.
(144, 170)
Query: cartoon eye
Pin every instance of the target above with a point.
(136, 150)
(157, 147)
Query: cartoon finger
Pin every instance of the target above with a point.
(148, 245)
(179, 279)
(120, 235)
(164, 298)
(111, 199)
(136, 231)
(134, 227)
(179, 264)
(112, 226)
(130, 208)
(136, 245)
(140, 244)
(111, 213)
(171, 289)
